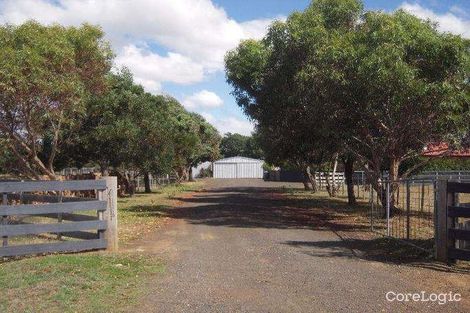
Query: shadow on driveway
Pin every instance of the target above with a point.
(262, 207)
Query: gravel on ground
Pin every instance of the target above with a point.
(238, 246)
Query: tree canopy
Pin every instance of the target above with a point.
(127, 128)
(239, 145)
(61, 105)
(46, 75)
(335, 79)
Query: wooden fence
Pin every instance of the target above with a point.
(322, 179)
(47, 199)
(452, 236)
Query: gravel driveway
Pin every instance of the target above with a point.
(238, 247)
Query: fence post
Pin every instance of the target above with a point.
(363, 187)
(388, 208)
(4, 219)
(110, 215)
(408, 209)
(371, 201)
(441, 221)
(423, 191)
(59, 215)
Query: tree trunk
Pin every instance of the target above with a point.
(130, 183)
(312, 179)
(306, 180)
(306, 185)
(147, 182)
(394, 183)
(393, 172)
(190, 174)
(331, 185)
(335, 185)
(348, 173)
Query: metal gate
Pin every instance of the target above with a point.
(404, 210)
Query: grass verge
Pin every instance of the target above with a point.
(92, 282)
(74, 282)
(352, 224)
(144, 212)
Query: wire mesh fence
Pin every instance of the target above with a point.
(406, 210)
(155, 182)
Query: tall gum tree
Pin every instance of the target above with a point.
(408, 86)
(379, 86)
(46, 73)
(271, 83)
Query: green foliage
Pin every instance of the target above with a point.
(46, 74)
(60, 106)
(6, 158)
(127, 128)
(335, 79)
(239, 145)
(448, 164)
(124, 127)
(193, 139)
(338, 13)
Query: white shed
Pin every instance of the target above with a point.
(238, 167)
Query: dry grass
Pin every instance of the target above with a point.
(352, 223)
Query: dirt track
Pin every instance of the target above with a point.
(240, 247)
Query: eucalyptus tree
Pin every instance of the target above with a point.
(125, 129)
(208, 143)
(277, 82)
(233, 145)
(408, 86)
(46, 75)
(240, 145)
(193, 139)
(335, 79)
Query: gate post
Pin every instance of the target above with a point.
(110, 215)
(388, 208)
(440, 223)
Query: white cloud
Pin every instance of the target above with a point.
(150, 68)
(257, 28)
(230, 124)
(196, 32)
(447, 22)
(202, 99)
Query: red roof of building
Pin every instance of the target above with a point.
(441, 149)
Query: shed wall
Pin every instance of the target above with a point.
(238, 170)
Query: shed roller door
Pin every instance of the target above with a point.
(249, 170)
(238, 170)
(227, 170)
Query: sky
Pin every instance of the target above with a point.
(176, 47)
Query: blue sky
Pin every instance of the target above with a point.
(176, 47)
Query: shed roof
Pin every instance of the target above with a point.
(238, 159)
